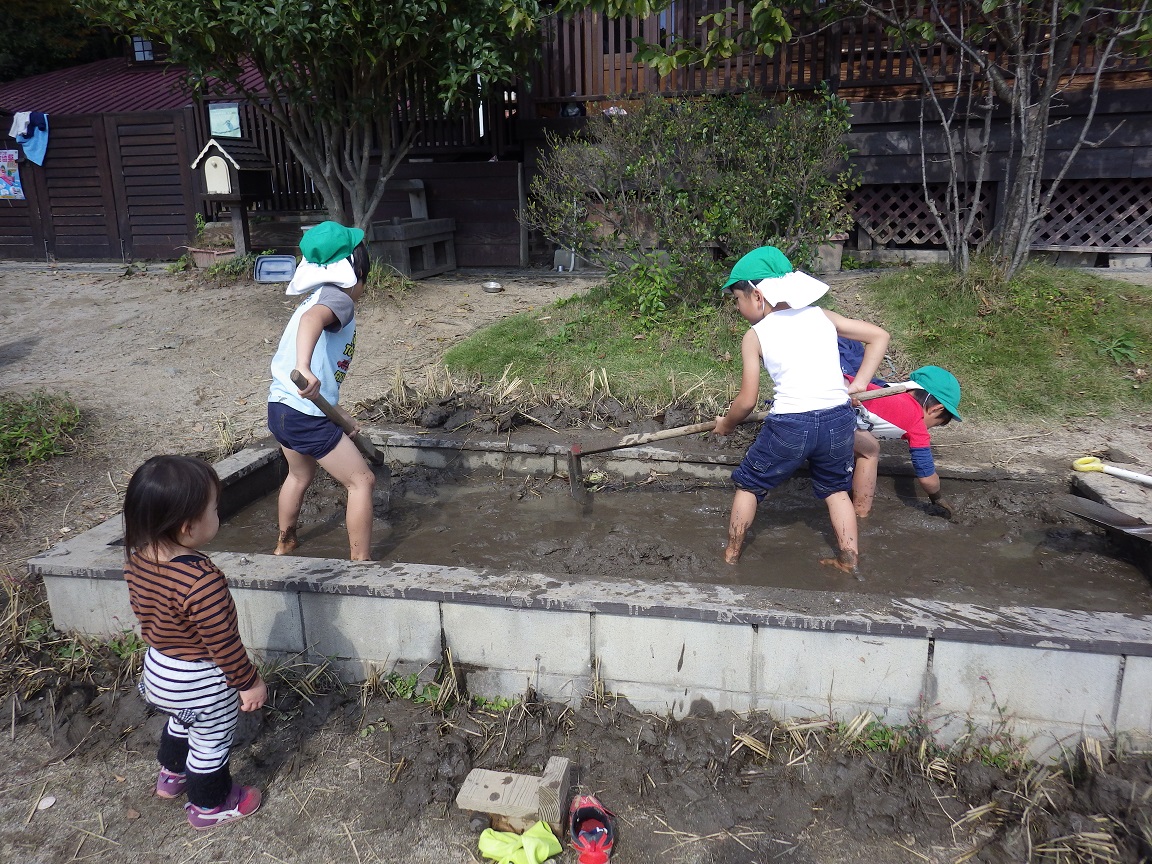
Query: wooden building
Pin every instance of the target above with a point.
(116, 183)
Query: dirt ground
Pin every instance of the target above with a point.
(168, 363)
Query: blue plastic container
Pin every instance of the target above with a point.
(274, 268)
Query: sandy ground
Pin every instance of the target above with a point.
(167, 363)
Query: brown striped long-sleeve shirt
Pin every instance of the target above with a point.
(186, 611)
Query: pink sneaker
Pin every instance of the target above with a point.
(241, 801)
(169, 784)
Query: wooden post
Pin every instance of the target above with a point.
(240, 236)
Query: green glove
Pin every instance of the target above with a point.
(534, 846)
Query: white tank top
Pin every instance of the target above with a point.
(800, 353)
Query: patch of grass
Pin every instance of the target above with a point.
(36, 427)
(384, 280)
(592, 343)
(233, 269)
(1053, 342)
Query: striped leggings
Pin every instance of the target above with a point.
(203, 712)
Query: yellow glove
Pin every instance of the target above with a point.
(534, 846)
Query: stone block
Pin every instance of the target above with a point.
(829, 257)
(1129, 261)
(511, 684)
(1076, 259)
(529, 642)
(1134, 713)
(809, 673)
(686, 657)
(664, 699)
(567, 261)
(374, 630)
(269, 620)
(1010, 689)
(94, 607)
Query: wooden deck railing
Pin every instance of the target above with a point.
(590, 57)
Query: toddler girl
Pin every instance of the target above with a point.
(195, 664)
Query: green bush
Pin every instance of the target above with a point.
(668, 195)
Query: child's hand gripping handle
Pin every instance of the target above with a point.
(363, 444)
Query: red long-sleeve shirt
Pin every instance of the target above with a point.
(186, 611)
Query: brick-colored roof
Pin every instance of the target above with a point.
(113, 85)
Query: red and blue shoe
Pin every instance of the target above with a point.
(591, 829)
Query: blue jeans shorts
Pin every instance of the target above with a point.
(823, 438)
(312, 436)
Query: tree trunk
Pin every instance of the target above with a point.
(1022, 207)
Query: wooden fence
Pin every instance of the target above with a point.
(589, 57)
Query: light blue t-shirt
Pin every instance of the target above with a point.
(330, 359)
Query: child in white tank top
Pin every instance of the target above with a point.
(812, 419)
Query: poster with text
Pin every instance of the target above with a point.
(10, 175)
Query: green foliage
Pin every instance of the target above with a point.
(330, 72)
(409, 687)
(184, 262)
(645, 285)
(232, 269)
(127, 645)
(36, 427)
(44, 35)
(767, 27)
(1054, 343)
(675, 190)
(1050, 342)
(1121, 349)
(498, 705)
(384, 279)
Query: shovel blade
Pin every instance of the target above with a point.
(1105, 516)
(382, 491)
(576, 475)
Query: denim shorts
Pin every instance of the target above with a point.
(823, 438)
(312, 436)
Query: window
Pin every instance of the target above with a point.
(142, 49)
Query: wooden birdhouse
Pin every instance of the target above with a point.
(236, 171)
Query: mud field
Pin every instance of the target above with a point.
(162, 363)
(1007, 545)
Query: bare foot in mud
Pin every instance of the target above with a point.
(846, 561)
(732, 555)
(286, 543)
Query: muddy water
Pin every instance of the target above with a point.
(1006, 547)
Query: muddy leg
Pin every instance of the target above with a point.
(867, 452)
(348, 467)
(843, 517)
(301, 472)
(286, 542)
(743, 512)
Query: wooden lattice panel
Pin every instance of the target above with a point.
(898, 214)
(1099, 214)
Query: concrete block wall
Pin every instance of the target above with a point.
(1047, 675)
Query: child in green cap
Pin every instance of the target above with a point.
(812, 419)
(319, 342)
(933, 401)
